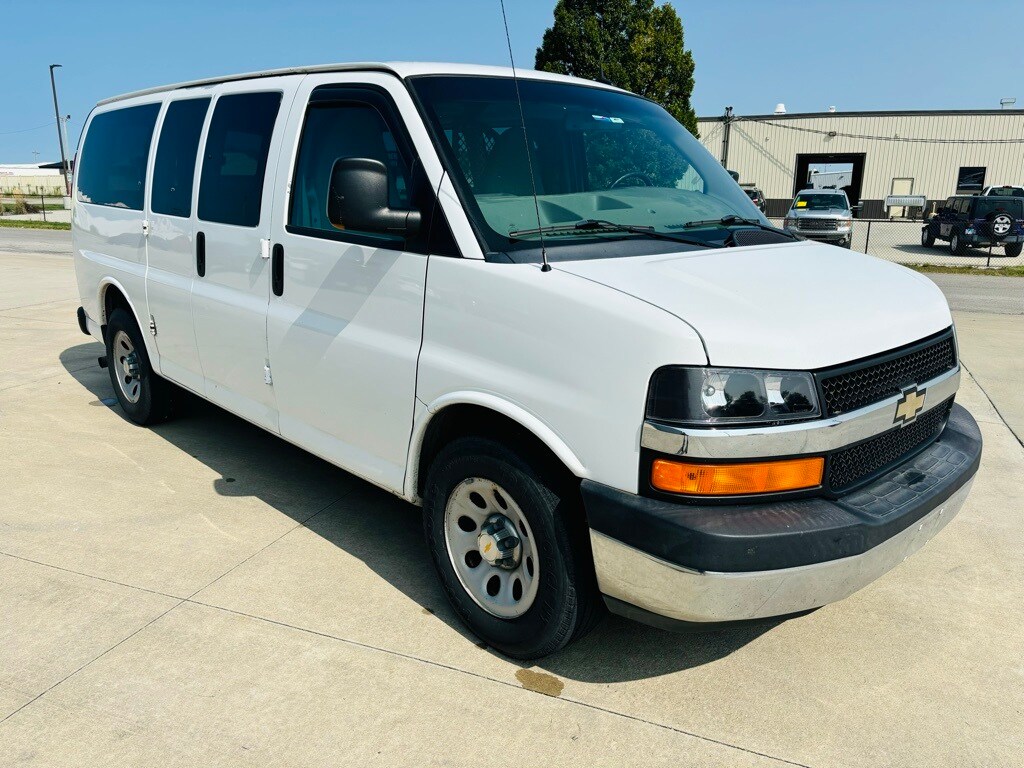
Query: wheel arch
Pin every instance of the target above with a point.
(484, 415)
(112, 295)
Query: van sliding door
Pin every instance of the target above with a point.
(232, 286)
(171, 242)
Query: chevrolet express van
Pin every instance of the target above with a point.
(540, 310)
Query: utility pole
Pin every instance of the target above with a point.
(60, 133)
(726, 127)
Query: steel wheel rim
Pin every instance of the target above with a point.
(481, 501)
(126, 367)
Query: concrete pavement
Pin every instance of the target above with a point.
(204, 593)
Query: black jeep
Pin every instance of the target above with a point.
(977, 221)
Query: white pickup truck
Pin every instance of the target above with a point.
(539, 309)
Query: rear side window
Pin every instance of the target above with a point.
(114, 157)
(176, 151)
(235, 158)
(332, 132)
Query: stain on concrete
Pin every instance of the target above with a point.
(540, 682)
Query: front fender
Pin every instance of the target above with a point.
(517, 413)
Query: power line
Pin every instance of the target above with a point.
(909, 140)
(26, 130)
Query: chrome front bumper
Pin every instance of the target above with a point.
(667, 562)
(672, 591)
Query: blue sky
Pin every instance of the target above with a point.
(751, 54)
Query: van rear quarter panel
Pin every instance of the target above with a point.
(573, 354)
(108, 244)
(109, 249)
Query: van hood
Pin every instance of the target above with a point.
(797, 306)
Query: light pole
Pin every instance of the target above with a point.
(60, 133)
(64, 126)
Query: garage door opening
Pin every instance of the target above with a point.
(827, 171)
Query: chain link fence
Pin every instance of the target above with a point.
(19, 206)
(899, 240)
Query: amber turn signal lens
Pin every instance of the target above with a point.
(735, 479)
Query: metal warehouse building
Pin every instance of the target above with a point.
(930, 153)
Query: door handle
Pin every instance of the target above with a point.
(277, 270)
(201, 254)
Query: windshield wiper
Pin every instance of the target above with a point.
(602, 225)
(733, 220)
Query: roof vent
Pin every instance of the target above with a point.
(1007, 103)
(832, 109)
(780, 108)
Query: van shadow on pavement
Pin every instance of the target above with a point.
(253, 462)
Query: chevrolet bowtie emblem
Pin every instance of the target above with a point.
(909, 405)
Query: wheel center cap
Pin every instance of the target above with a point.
(498, 543)
(130, 365)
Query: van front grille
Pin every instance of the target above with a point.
(859, 463)
(855, 387)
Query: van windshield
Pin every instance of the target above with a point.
(820, 202)
(597, 155)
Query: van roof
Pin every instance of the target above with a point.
(401, 69)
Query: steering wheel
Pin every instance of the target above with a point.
(643, 177)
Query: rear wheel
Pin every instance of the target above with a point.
(956, 245)
(509, 548)
(1013, 249)
(927, 238)
(145, 398)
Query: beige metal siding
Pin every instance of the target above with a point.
(763, 150)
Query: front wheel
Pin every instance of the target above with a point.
(509, 548)
(144, 397)
(1013, 249)
(927, 238)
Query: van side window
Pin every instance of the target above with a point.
(114, 157)
(235, 158)
(333, 131)
(175, 164)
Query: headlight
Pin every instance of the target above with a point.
(788, 222)
(846, 222)
(730, 396)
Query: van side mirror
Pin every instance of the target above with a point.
(358, 199)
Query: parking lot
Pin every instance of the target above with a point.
(203, 593)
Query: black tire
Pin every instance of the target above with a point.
(1013, 249)
(999, 225)
(154, 399)
(927, 237)
(567, 602)
(956, 244)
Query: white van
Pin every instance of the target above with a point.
(604, 376)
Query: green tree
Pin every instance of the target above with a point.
(633, 44)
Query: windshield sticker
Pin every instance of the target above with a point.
(801, 203)
(604, 119)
